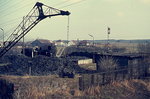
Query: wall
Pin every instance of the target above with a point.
(85, 61)
(102, 78)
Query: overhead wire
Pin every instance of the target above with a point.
(7, 8)
(5, 3)
(63, 2)
(12, 6)
(74, 3)
(9, 21)
(12, 11)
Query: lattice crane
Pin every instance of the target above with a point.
(38, 13)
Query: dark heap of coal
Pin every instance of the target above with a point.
(39, 65)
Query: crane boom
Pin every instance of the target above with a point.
(38, 13)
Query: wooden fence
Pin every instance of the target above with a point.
(102, 78)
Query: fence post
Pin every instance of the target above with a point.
(123, 75)
(81, 83)
(130, 68)
(92, 79)
(115, 76)
(103, 80)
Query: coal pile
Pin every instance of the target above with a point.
(14, 64)
(39, 65)
(42, 65)
(87, 49)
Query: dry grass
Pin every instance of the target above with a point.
(53, 87)
(117, 90)
(33, 87)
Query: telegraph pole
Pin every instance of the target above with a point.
(93, 38)
(108, 33)
(68, 31)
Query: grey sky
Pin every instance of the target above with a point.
(128, 19)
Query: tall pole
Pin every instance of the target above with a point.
(68, 31)
(3, 36)
(108, 33)
(92, 37)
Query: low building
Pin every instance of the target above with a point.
(46, 50)
(60, 43)
(41, 42)
(83, 43)
(41, 47)
(85, 61)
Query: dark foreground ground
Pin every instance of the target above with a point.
(53, 87)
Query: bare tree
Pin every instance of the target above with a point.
(108, 63)
(143, 48)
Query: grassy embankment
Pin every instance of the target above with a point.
(53, 87)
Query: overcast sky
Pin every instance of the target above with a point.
(128, 19)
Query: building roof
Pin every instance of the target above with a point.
(44, 41)
(59, 41)
(41, 42)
